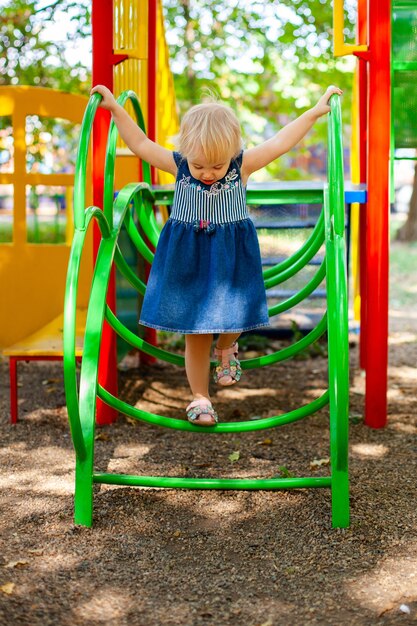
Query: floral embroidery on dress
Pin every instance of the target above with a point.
(185, 181)
(215, 188)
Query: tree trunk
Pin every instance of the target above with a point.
(408, 231)
(189, 44)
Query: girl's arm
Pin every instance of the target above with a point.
(133, 136)
(260, 156)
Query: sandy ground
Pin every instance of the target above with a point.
(165, 557)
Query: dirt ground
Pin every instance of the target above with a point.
(195, 558)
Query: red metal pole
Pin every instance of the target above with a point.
(150, 334)
(377, 232)
(102, 29)
(152, 48)
(13, 389)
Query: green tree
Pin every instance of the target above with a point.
(27, 57)
(269, 60)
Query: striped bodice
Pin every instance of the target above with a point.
(222, 202)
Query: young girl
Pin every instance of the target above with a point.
(206, 277)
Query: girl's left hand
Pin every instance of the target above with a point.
(322, 107)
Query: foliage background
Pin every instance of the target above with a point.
(268, 59)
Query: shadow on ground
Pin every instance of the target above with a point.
(193, 558)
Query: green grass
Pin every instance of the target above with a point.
(403, 268)
(47, 233)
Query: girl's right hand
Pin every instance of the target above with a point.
(108, 102)
(322, 107)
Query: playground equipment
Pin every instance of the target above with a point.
(404, 67)
(129, 48)
(31, 323)
(330, 230)
(370, 168)
(33, 274)
(34, 292)
(376, 129)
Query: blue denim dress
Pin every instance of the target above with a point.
(206, 276)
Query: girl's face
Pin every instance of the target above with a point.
(208, 173)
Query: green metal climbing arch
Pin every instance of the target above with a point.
(81, 399)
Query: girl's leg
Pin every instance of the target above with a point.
(197, 367)
(197, 363)
(228, 370)
(226, 340)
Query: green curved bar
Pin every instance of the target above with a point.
(90, 362)
(230, 427)
(73, 398)
(318, 231)
(137, 240)
(89, 368)
(147, 221)
(338, 346)
(176, 359)
(81, 405)
(169, 482)
(94, 323)
(121, 204)
(130, 276)
(98, 215)
(132, 96)
(109, 172)
(289, 351)
(302, 294)
(109, 168)
(141, 344)
(69, 334)
(150, 214)
(339, 359)
(298, 265)
(80, 172)
(335, 166)
(82, 219)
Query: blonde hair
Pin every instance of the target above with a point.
(211, 128)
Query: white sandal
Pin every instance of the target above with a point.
(227, 370)
(198, 408)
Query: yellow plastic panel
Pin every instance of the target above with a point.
(48, 340)
(127, 169)
(355, 208)
(130, 37)
(133, 74)
(131, 28)
(167, 123)
(32, 276)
